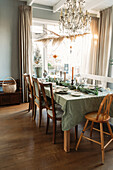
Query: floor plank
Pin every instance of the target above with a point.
(25, 146)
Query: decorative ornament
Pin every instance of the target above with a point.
(55, 56)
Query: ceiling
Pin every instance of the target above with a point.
(98, 5)
(93, 6)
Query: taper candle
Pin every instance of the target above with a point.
(64, 76)
(72, 73)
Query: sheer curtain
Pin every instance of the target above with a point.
(93, 57)
(105, 41)
(89, 52)
(85, 46)
(25, 21)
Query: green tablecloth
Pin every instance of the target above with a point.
(76, 107)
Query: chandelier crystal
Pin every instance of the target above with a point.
(74, 19)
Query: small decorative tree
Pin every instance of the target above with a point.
(37, 62)
(37, 57)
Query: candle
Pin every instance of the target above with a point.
(64, 76)
(72, 73)
(61, 13)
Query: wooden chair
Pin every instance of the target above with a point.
(30, 91)
(54, 111)
(102, 116)
(38, 99)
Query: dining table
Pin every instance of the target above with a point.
(75, 107)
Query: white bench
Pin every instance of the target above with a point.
(102, 79)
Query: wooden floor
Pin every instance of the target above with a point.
(23, 146)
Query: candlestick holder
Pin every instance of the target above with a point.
(72, 82)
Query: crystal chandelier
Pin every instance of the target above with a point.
(74, 19)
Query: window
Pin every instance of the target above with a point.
(37, 49)
(60, 56)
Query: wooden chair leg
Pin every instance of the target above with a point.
(40, 116)
(102, 141)
(109, 128)
(54, 131)
(47, 126)
(35, 108)
(76, 132)
(61, 128)
(29, 106)
(91, 129)
(33, 111)
(82, 134)
(32, 108)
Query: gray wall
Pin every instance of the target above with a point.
(38, 12)
(9, 60)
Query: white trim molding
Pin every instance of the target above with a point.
(30, 2)
(59, 5)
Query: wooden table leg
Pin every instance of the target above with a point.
(67, 141)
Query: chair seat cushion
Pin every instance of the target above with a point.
(59, 111)
(92, 117)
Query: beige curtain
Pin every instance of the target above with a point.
(93, 57)
(105, 41)
(85, 46)
(25, 20)
(89, 46)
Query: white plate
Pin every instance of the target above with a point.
(91, 87)
(77, 94)
(58, 87)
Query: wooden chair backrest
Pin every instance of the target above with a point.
(36, 89)
(104, 108)
(27, 80)
(49, 85)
